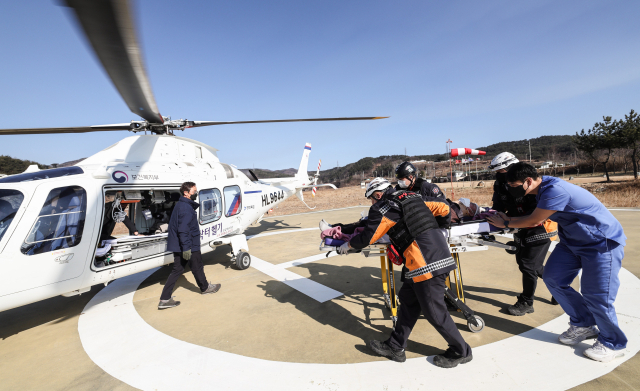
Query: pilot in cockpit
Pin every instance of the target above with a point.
(111, 217)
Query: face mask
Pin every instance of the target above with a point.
(517, 192)
(402, 184)
(501, 177)
(193, 196)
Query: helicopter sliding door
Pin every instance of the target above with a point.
(53, 241)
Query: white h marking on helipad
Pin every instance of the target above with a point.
(304, 285)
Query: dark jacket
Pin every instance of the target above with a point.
(504, 202)
(428, 255)
(184, 231)
(109, 224)
(425, 189)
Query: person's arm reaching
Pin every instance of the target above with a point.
(536, 218)
(550, 200)
(377, 226)
(132, 227)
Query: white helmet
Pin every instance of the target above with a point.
(502, 160)
(377, 184)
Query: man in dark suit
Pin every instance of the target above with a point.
(184, 242)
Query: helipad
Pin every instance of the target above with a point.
(299, 320)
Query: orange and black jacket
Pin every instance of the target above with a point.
(417, 236)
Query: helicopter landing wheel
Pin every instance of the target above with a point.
(243, 260)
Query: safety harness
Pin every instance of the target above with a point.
(416, 218)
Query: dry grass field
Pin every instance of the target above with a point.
(623, 193)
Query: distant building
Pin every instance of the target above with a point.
(457, 176)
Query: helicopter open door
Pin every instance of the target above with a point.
(50, 247)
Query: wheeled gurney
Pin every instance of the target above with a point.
(464, 237)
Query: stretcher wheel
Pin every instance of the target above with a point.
(514, 244)
(387, 304)
(479, 327)
(243, 260)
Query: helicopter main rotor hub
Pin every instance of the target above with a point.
(167, 127)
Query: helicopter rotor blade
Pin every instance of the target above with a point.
(108, 25)
(197, 124)
(78, 129)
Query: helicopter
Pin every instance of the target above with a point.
(55, 237)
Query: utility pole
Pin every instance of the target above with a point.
(529, 151)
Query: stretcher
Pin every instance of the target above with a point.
(131, 248)
(465, 237)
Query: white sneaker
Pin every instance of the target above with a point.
(577, 334)
(601, 353)
(324, 225)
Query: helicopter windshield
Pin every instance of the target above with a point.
(43, 174)
(10, 201)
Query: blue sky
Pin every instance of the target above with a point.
(475, 72)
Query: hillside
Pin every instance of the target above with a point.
(542, 148)
(10, 166)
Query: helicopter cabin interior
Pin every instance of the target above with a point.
(147, 213)
(134, 225)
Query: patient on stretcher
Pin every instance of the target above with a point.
(465, 210)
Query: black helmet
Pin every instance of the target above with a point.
(405, 169)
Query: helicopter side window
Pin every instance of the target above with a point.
(10, 201)
(210, 205)
(232, 200)
(60, 223)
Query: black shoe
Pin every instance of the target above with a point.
(554, 301)
(164, 304)
(520, 308)
(387, 351)
(451, 359)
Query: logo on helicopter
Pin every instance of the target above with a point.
(120, 176)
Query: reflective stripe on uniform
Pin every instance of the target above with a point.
(535, 238)
(430, 268)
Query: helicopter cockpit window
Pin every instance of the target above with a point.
(232, 200)
(10, 201)
(210, 205)
(60, 223)
(43, 174)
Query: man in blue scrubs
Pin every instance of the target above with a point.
(591, 239)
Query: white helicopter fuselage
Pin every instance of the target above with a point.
(160, 163)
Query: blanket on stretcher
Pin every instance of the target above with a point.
(476, 227)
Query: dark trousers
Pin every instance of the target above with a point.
(530, 259)
(197, 268)
(426, 297)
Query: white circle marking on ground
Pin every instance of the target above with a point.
(119, 341)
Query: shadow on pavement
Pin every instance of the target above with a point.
(268, 226)
(54, 310)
